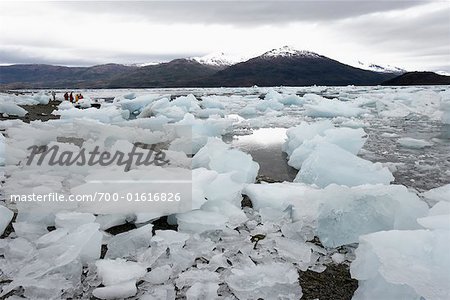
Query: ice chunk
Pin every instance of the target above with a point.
(445, 107)
(294, 251)
(72, 220)
(171, 238)
(117, 271)
(241, 164)
(12, 109)
(349, 139)
(326, 108)
(105, 115)
(28, 230)
(192, 276)
(332, 164)
(217, 156)
(189, 103)
(413, 143)
(209, 112)
(268, 281)
(158, 275)
(213, 126)
(201, 178)
(163, 292)
(440, 208)
(173, 113)
(137, 104)
(118, 291)
(277, 195)
(233, 212)
(153, 123)
(202, 290)
(224, 188)
(188, 145)
(48, 271)
(204, 156)
(87, 239)
(436, 222)
(305, 131)
(272, 95)
(248, 111)
(292, 100)
(354, 124)
(338, 258)
(128, 244)
(208, 102)
(384, 267)
(41, 98)
(199, 220)
(265, 105)
(439, 194)
(51, 237)
(6, 216)
(347, 213)
(108, 221)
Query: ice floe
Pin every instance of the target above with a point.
(342, 198)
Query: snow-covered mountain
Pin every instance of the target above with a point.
(378, 68)
(443, 73)
(219, 59)
(289, 66)
(287, 51)
(143, 64)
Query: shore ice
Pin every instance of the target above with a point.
(298, 211)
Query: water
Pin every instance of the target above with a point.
(264, 145)
(421, 169)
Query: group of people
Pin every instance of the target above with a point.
(71, 98)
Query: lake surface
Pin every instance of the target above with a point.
(265, 146)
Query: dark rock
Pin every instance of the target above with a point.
(419, 78)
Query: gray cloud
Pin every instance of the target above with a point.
(240, 12)
(426, 35)
(12, 55)
(412, 36)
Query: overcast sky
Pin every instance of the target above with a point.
(414, 35)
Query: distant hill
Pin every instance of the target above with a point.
(287, 66)
(176, 73)
(419, 78)
(48, 76)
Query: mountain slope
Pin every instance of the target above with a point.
(379, 68)
(219, 60)
(419, 78)
(287, 66)
(176, 73)
(48, 76)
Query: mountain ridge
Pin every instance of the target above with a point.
(280, 66)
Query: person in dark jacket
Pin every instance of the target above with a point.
(66, 96)
(71, 97)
